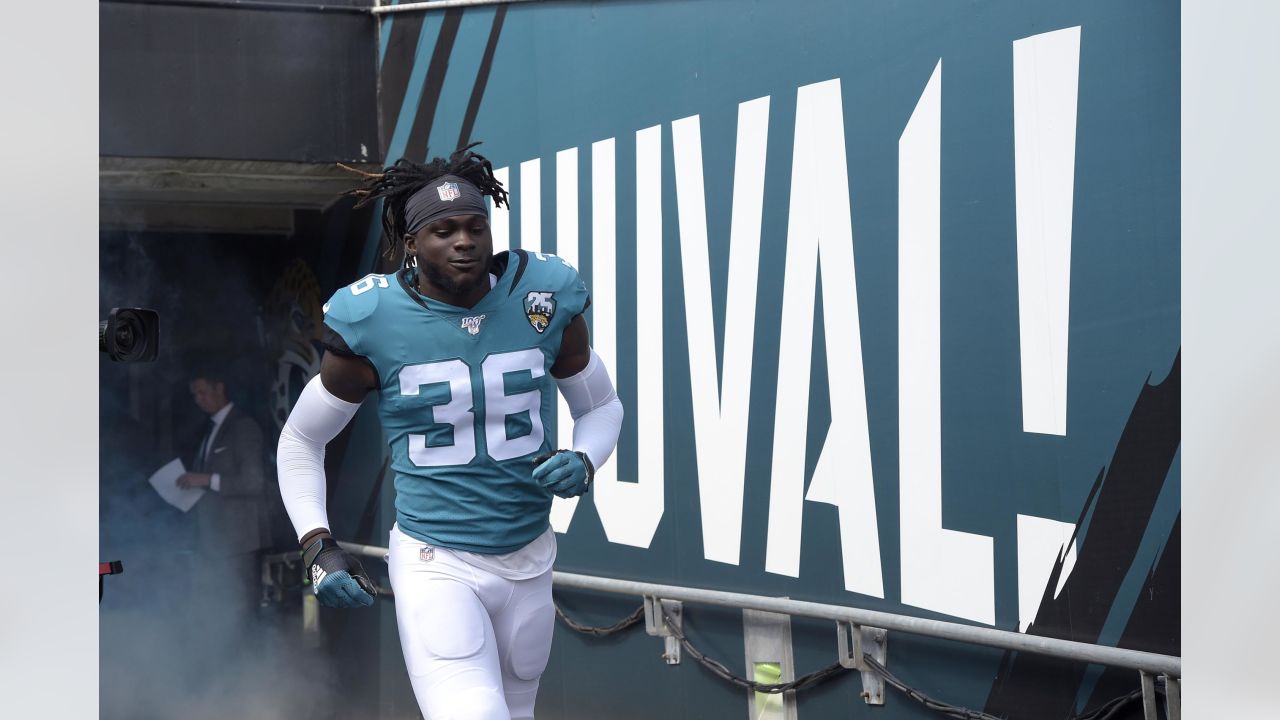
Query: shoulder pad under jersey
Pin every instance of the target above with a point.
(552, 273)
(354, 303)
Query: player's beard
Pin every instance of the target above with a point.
(453, 286)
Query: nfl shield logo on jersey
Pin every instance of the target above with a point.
(540, 307)
(449, 191)
(472, 324)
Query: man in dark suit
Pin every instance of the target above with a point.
(229, 520)
(229, 463)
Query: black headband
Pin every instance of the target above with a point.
(443, 197)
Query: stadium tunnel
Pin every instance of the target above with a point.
(221, 130)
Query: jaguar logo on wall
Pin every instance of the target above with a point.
(295, 322)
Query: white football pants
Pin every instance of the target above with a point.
(475, 643)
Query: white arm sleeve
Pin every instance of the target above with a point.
(317, 418)
(596, 410)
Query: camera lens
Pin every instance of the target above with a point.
(124, 336)
(130, 335)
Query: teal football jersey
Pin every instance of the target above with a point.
(466, 396)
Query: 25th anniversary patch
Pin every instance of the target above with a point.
(540, 307)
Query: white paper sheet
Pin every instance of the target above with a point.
(165, 480)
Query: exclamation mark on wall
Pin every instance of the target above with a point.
(1046, 70)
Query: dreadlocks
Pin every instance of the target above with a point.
(398, 183)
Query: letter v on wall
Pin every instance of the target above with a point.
(721, 404)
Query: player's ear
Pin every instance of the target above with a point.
(410, 245)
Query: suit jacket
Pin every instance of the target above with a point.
(230, 520)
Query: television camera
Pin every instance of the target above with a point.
(127, 335)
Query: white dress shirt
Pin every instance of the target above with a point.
(214, 480)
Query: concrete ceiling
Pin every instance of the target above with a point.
(197, 195)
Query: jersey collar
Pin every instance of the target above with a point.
(498, 290)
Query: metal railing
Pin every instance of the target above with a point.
(1067, 649)
(861, 624)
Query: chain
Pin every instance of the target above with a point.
(1104, 712)
(617, 627)
(947, 709)
(719, 669)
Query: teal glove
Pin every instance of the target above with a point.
(565, 473)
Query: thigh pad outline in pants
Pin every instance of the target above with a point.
(446, 623)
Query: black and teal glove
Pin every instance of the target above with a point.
(337, 577)
(565, 473)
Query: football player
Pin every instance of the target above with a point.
(465, 350)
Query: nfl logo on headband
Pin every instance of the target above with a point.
(449, 191)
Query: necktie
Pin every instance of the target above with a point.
(202, 456)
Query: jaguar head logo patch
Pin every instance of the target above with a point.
(540, 307)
